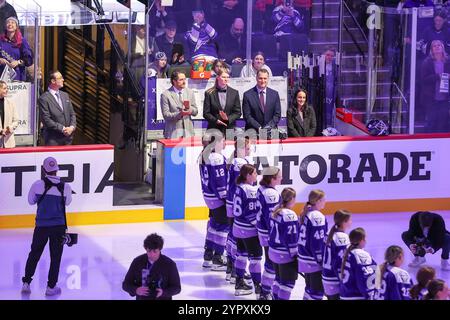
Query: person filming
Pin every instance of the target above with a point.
(152, 276)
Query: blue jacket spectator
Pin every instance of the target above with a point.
(287, 19)
(200, 38)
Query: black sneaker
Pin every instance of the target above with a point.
(218, 263)
(207, 258)
(241, 288)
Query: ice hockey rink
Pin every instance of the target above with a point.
(94, 268)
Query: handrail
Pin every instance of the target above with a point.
(356, 21)
(354, 40)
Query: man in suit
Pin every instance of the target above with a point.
(9, 120)
(57, 114)
(178, 105)
(261, 105)
(222, 107)
(427, 234)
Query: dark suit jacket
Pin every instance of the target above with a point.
(429, 79)
(436, 234)
(307, 128)
(164, 269)
(211, 108)
(253, 115)
(54, 119)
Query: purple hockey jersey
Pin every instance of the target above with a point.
(245, 207)
(233, 173)
(395, 285)
(213, 176)
(358, 282)
(283, 236)
(311, 242)
(268, 199)
(332, 260)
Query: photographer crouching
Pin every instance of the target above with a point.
(152, 276)
(427, 234)
(51, 196)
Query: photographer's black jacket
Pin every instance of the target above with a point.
(164, 268)
(436, 234)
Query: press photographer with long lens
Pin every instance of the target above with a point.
(427, 234)
(152, 276)
(51, 196)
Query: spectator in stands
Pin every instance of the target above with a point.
(15, 52)
(427, 234)
(438, 31)
(166, 41)
(418, 3)
(138, 50)
(6, 11)
(230, 10)
(435, 73)
(57, 114)
(9, 119)
(301, 118)
(178, 105)
(201, 38)
(222, 106)
(330, 87)
(232, 43)
(159, 16)
(258, 63)
(217, 66)
(158, 69)
(178, 56)
(287, 19)
(261, 105)
(153, 275)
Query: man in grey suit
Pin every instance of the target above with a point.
(57, 114)
(261, 105)
(178, 104)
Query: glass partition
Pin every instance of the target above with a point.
(24, 79)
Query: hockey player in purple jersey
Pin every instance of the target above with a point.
(313, 227)
(392, 282)
(268, 199)
(423, 276)
(244, 230)
(241, 156)
(213, 174)
(283, 239)
(335, 245)
(358, 268)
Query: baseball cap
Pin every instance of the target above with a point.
(160, 55)
(171, 24)
(50, 164)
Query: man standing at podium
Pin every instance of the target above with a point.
(57, 114)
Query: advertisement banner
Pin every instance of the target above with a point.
(347, 170)
(89, 172)
(20, 94)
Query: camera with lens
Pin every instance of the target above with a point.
(69, 239)
(421, 246)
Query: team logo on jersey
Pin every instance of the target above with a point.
(252, 194)
(318, 221)
(272, 198)
(404, 277)
(342, 240)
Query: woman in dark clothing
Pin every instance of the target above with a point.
(435, 73)
(301, 118)
(15, 50)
